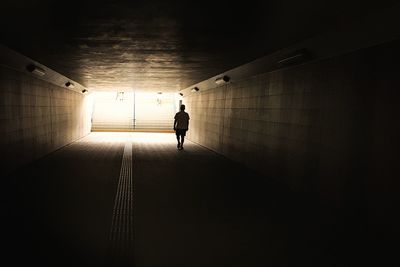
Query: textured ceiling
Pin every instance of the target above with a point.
(162, 45)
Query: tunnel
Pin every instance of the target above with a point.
(290, 154)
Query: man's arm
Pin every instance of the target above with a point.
(174, 124)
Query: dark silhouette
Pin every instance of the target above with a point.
(181, 125)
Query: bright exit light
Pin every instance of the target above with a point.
(112, 110)
(125, 111)
(134, 137)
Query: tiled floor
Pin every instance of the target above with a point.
(192, 207)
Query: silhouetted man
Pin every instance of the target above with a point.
(181, 125)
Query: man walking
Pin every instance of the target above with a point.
(181, 125)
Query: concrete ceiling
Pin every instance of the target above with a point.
(159, 45)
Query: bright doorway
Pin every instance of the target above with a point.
(131, 111)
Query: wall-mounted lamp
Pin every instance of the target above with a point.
(195, 89)
(69, 85)
(180, 94)
(84, 91)
(159, 93)
(222, 80)
(36, 70)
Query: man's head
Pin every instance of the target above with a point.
(182, 107)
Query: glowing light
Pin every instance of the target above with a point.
(134, 137)
(132, 111)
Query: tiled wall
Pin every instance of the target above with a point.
(317, 127)
(37, 118)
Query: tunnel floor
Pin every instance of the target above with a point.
(189, 208)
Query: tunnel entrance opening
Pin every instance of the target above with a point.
(133, 111)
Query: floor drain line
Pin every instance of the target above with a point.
(121, 233)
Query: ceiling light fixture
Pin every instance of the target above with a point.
(84, 91)
(195, 89)
(222, 80)
(35, 69)
(295, 57)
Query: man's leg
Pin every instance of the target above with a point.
(182, 140)
(177, 138)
